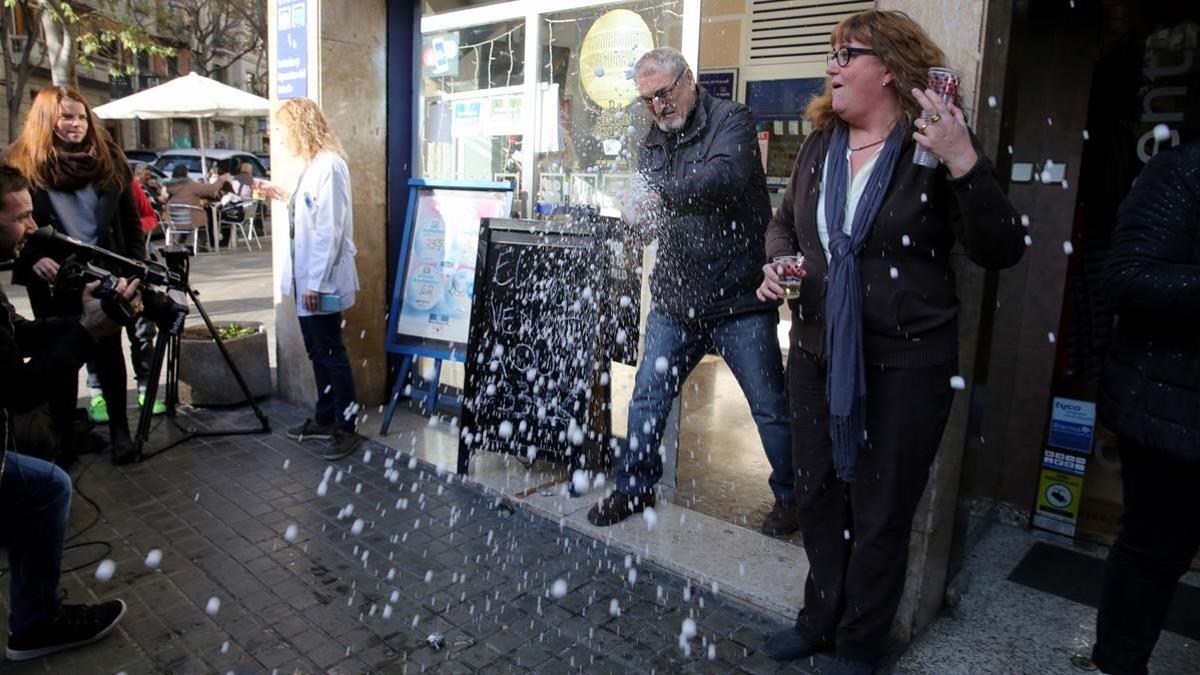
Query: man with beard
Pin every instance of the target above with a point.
(35, 495)
(706, 202)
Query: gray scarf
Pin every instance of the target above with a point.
(847, 384)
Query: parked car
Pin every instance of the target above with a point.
(265, 158)
(143, 156)
(229, 161)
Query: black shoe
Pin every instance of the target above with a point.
(789, 645)
(310, 430)
(72, 626)
(344, 444)
(618, 506)
(782, 520)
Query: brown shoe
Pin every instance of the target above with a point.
(618, 506)
(344, 444)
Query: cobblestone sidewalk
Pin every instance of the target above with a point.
(349, 567)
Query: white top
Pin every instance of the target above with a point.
(323, 248)
(856, 189)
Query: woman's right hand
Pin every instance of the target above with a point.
(771, 288)
(271, 190)
(46, 269)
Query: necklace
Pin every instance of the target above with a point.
(868, 145)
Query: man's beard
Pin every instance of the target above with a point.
(676, 125)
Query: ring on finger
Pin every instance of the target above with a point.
(935, 118)
(922, 125)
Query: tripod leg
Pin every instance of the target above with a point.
(143, 428)
(216, 336)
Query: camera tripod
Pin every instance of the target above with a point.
(170, 322)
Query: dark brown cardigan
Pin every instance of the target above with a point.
(909, 320)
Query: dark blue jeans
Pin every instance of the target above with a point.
(35, 499)
(335, 383)
(750, 347)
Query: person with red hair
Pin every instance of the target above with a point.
(81, 184)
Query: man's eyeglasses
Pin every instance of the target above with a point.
(662, 94)
(843, 55)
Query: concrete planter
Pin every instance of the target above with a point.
(205, 378)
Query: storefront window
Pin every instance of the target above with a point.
(590, 117)
(471, 82)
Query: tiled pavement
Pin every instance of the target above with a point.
(434, 556)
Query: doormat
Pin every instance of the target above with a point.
(1078, 577)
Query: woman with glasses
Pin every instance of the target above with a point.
(874, 332)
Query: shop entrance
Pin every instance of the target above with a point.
(1090, 91)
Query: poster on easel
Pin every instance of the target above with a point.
(432, 303)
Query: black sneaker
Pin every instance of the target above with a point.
(618, 506)
(782, 520)
(310, 430)
(344, 444)
(72, 626)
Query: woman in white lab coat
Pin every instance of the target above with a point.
(320, 274)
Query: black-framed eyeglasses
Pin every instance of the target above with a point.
(844, 54)
(662, 94)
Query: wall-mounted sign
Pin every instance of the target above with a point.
(1060, 491)
(612, 45)
(1072, 424)
(291, 38)
(782, 99)
(719, 83)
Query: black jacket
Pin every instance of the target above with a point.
(51, 344)
(909, 320)
(710, 238)
(1151, 383)
(119, 230)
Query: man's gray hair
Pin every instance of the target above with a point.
(663, 58)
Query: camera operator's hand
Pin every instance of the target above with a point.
(94, 319)
(46, 269)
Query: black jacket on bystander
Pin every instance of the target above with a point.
(1151, 383)
(52, 344)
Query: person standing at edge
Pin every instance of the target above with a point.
(81, 187)
(706, 200)
(320, 272)
(874, 331)
(1150, 398)
(35, 495)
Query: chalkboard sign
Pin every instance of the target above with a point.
(552, 308)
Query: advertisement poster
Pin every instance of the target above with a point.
(468, 118)
(1060, 491)
(440, 280)
(1072, 424)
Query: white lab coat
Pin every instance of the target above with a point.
(322, 223)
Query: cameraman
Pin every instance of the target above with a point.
(35, 496)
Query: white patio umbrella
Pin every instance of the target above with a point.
(191, 95)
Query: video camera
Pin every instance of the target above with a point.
(83, 263)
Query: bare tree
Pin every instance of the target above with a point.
(215, 32)
(17, 64)
(61, 35)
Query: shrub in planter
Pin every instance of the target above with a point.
(205, 378)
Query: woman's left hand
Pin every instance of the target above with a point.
(944, 133)
(312, 300)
